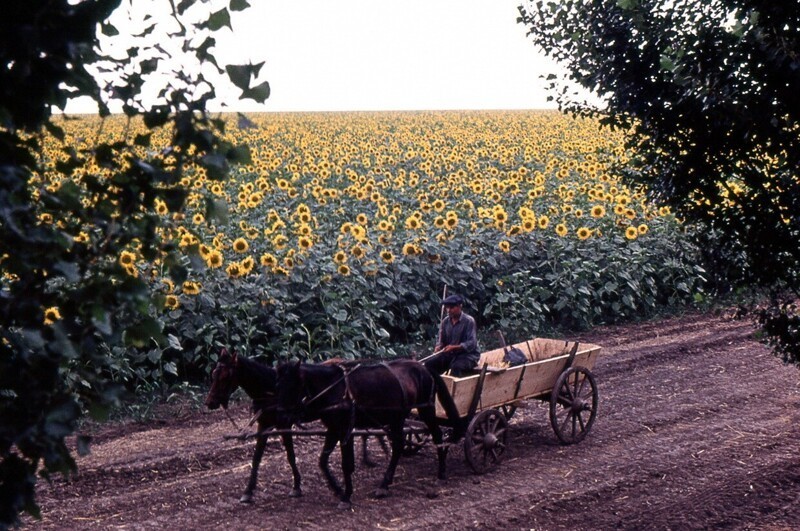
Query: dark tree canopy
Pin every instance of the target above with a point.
(708, 92)
(64, 291)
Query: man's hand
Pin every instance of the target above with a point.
(451, 348)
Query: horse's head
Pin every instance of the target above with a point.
(223, 381)
(291, 393)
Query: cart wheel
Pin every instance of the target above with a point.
(485, 441)
(414, 439)
(573, 404)
(508, 410)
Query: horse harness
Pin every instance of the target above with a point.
(348, 399)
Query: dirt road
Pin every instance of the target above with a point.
(698, 428)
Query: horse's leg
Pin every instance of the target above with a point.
(261, 443)
(330, 443)
(288, 445)
(365, 452)
(347, 444)
(428, 416)
(396, 439)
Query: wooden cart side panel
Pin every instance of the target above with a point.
(534, 349)
(499, 387)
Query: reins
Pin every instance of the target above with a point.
(345, 374)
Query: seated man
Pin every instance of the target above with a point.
(457, 346)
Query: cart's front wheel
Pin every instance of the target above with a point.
(573, 404)
(485, 441)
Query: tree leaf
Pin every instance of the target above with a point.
(219, 20)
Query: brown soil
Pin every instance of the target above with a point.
(698, 428)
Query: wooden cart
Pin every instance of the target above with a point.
(557, 371)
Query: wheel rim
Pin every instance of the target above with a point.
(573, 405)
(486, 440)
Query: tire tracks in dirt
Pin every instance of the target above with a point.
(697, 428)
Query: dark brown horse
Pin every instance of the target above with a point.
(366, 396)
(258, 381)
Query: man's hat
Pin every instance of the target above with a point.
(452, 300)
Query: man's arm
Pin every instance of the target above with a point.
(469, 338)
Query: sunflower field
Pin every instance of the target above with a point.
(338, 232)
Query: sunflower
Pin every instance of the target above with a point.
(528, 225)
(169, 286)
(631, 233)
(51, 315)
(127, 258)
(247, 265)
(191, 288)
(439, 222)
(362, 219)
(384, 239)
(340, 257)
(268, 260)
(358, 251)
(543, 222)
(305, 243)
(561, 230)
(504, 246)
(412, 222)
(131, 271)
(584, 233)
(387, 256)
(214, 259)
(234, 270)
(598, 211)
(410, 249)
(171, 302)
(279, 241)
(343, 270)
(642, 229)
(240, 245)
(198, 219)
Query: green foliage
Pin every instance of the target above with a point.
(576, 284)
(707, 92)
(66, 300)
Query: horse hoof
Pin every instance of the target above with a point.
(381, 493)
(296, 493)
(345, 506)
(246, 498)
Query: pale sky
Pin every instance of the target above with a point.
(345, 55)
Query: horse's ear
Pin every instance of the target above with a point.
(235, 356)
(224, 352)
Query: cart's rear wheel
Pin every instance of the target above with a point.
(485, 441)
(573, 404)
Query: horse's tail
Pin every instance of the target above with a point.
(449, 406)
